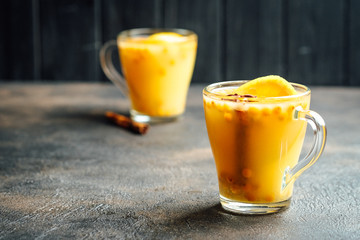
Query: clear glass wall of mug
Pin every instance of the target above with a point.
(157, 67)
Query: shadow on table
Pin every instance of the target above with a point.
(215, 218)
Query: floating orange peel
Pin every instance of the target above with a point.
(268, 86)
(166, 37)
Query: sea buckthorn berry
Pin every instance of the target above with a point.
(246, 172)
(209, 104)
(277, 110)
(235, 188)
(254, 113)
(290, 110)
(282, 116)
(266, 112)
(250, 196)
(228, 116)
(269, 198)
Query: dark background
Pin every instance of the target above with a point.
(313, 42)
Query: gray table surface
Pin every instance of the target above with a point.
(65, 172)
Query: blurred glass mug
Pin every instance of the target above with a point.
(157, 65)
(256, 143)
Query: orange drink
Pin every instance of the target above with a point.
(256, 143)
(158, 69)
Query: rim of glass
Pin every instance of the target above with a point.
(208, 91)
(148, 31)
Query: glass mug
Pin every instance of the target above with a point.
(157, 72)
(256, 144)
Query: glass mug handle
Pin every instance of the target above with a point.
(108, 66)
(318, 125)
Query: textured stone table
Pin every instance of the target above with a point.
(65, 172)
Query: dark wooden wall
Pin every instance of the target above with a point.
(308, 41)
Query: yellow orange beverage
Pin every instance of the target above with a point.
(158, 67)
(255, 142)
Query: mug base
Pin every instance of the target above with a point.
(143, 118)
(253, 208)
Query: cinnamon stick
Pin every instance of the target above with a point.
(127, 123)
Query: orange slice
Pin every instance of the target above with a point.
(268, 86)
(166, 37)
